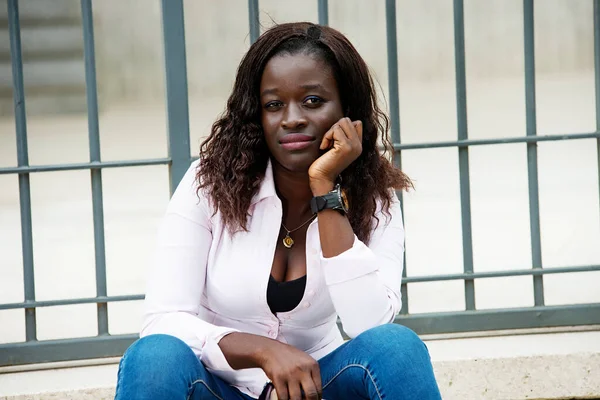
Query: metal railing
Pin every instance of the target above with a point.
(178, 160)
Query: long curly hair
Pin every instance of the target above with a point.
(234, 158)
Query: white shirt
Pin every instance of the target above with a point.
(207, 283)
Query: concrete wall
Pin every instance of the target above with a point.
(130, 53)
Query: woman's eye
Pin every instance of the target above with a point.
(313, 101)
(273, 105)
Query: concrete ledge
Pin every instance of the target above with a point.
(573, 376)
(84, 394)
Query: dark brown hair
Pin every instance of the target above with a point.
(234, 158)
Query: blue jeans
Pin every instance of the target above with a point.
(388, 362)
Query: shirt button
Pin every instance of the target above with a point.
(306, 305)
(311, 292)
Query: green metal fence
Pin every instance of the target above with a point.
(179, 158)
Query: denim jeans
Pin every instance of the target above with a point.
(388, 362)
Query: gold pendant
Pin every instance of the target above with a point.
(288, 241)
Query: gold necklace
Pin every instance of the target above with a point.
(288, 242)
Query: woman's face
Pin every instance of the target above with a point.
(300, 102)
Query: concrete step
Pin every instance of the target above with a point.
(46, 42)
(41, 12)
(51, 87)
(47, 103)
(52, 49)
(567, 376)
(46, 73)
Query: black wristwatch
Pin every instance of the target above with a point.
(334, 200)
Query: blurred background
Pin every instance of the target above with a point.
(130, 69)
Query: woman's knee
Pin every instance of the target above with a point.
(157, 366)
(388, 359)
(162, 351)
(393, 339)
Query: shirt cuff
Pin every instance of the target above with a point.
(212, 356)
(355, 262)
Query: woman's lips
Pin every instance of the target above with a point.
(296, 141)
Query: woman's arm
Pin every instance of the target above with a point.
(291, 370)
(364, 282)
(177, 280)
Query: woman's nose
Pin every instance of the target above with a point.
(293, 118)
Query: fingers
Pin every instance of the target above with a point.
(328, 140)
(337, 133)
(316, 378)
(351, 139)
(294, 390)
(309, 387)
(281, 389)
(307, 384)
(359, 129)
(347, 127)
(352, 129)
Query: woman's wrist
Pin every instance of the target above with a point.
(321, 187)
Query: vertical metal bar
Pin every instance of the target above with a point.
(597, 78)
(323, 12)
(253, 20)
(96, 174)
(463, 152)
(392, 59)
(14, 28)
(177, 90)
(532, 168)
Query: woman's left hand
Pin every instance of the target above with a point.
(344, 141)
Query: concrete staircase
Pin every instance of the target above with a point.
(52, 46)
(540, 377)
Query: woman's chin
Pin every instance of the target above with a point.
(298, 163)
(297, 167)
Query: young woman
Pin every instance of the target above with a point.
(288, 221)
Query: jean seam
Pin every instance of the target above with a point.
(360, 366)
(206, 385)
(120, 374)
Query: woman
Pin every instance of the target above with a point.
(288, 221)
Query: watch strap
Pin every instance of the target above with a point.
(329, 201)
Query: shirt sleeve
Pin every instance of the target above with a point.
(176, 282)
(364, 281)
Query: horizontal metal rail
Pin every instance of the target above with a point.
(423, 324)
(483, 142)
(83, 166)
(502, 318)
(397, 147)
(501, 274)
(410, 279)
(64, 349)
(70, 302)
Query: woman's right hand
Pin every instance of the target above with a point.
(292, 372)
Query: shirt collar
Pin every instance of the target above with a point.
(267, 186)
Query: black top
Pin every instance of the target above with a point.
(285, 296)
